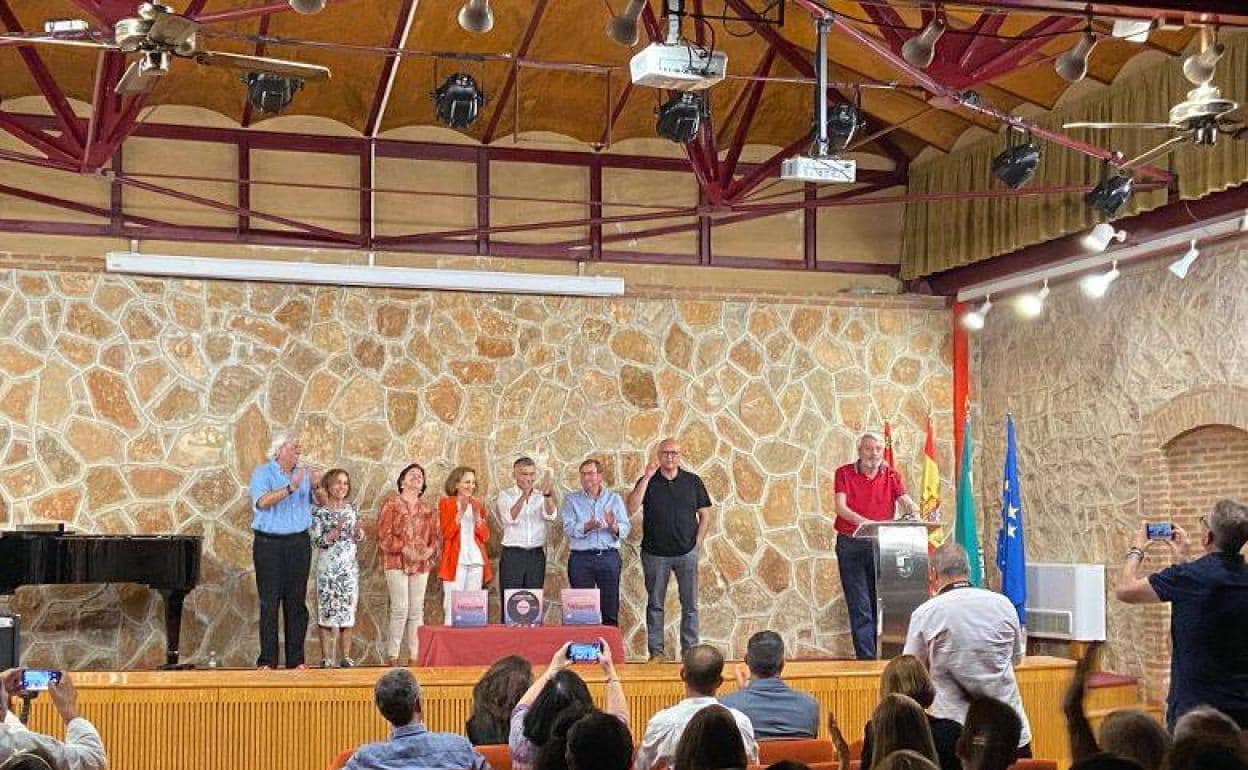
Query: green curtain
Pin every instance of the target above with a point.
(945, 234)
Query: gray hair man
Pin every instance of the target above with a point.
(82, 748)
(411, 744)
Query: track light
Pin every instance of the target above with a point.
(1110, 194)
(458, 100)
(270, 93)
(1199, 67)
(843, 121)
(680, 117)
(1184, 263)
(920, 50)
(307, 6)
(1073, 65)
(974, 319)
(1100, 236)
(476, 16)
(1017, 163)
(623, 28)
(1094, 286)
(1031, 305)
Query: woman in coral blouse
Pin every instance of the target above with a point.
(465, 565)
(407, 535)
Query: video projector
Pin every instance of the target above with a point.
(677, 66)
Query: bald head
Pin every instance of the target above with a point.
(702, 669)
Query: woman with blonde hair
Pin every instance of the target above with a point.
(906, 675)
(899, 723)
(461, 514)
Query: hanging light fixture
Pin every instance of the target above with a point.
(458, 100)
(920, 50)
(1017, 163)
(1100, 236)
(1031, 304)
(1073, 65)
(307, 6)
(1110, 194)
(1184, 263)
(622, 29)
(1094, 286)
(680, 117)
(974, 319)
(476, 16)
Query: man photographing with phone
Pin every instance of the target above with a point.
(82, 748)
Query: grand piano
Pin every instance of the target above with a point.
(165, 563)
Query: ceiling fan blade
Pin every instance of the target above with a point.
(137, 79)
(78, 42)
(172, 30)
(305, 72)
(1157, 126)
(1166, 147)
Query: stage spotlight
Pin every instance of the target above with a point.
(1184, 263)
(270, 93)
(1073, 65)
(307, 6)
(1017, 163)
(844, 121)
(680, 118)
(476, 16)
(458, 100)
(1110, 194)
(920, 50)
(1031, 304)
(1100, 236)
(1094, 286)
(974, 319)
(623, 28)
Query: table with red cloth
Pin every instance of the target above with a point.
(481, 646)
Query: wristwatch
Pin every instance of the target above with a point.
(290, 490)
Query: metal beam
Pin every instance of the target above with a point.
(248, 110)
(1006, 56)
(47, 84)
(389, 70)
(1225, 12)
(522, 50)
(51, 146)
(729, 166)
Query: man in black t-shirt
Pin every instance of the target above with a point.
(675, 513)
(1209, 613)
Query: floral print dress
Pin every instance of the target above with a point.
(337, 571)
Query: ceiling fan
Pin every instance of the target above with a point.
(1199, 119)
(157, 34)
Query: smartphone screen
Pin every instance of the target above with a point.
(37, 679)
(1162, 530)
(584, 652)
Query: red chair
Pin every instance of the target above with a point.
(1034, 764)
(498, 755)
(340, 761)
(808, 750)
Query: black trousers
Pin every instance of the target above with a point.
(522, 568)
(282, 565)
(601, 570)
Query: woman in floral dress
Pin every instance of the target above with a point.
(335, 532)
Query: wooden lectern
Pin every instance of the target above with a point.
(901, 578)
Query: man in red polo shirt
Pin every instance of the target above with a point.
(866, 490)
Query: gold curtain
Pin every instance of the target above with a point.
(944, 234)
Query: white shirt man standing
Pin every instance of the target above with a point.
(523, 511)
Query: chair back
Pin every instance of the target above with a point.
(498, 755)
(808, 750)
(1034, 764)
(340, 761)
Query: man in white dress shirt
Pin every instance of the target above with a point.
(523, 511)
(82, 748)
(970, 640)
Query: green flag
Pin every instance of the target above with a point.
(965, 532)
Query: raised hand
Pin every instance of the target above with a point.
(296, 478)
(548, 485)
(652, 469)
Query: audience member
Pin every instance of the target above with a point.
(25, 761)
(711, 741)
(1084, 751)
(1209, 612)
(411, 744)
(461, 517)
(494, 697)
(990, 734)
(970, 640)
(906, 759)
(594, 741)
(1209, 724)
(702, 672)
(1202, 752)
(557, 689)
(82, 748)
(775, 709)
(788, 764)
(407, 536)
(905, 675)
(335, 532)
(553, 754)
(899, 723)
(1135, 735)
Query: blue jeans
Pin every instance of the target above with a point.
(601, 570)
(657, 570)
(855, 558)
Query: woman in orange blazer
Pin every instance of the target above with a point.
(465, 563)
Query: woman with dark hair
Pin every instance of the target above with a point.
(556, 690)
(906, 675)
(407, 536)
(461, 515)
(989, 739)
(899, 723)
(586, 740)
(711, 741)
(494, 697)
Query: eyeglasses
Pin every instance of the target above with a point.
(675, 452)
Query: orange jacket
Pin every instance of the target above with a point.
(448, 515)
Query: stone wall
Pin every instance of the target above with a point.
(133, 405)
(1106, 395)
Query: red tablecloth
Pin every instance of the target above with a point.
(448, 646)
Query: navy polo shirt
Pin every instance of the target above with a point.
(670, 513)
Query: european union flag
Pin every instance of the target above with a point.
(1011, 556)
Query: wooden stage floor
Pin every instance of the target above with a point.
(225, 719)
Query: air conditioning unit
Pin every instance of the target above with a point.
(1066, 601)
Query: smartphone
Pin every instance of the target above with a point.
(584, 652)
(37, 679)
(1162, 530)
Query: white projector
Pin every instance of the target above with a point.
(679, 67)
(810, 168)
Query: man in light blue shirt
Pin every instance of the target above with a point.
(595, 522)
(411, 744)
(282, 494)
(775, 709)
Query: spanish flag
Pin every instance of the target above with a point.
(929, 497)
(888, 446)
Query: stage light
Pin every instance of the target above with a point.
(458, 101)
(623, 28)
(680, 118)
(1031, 304)
(1184, 263)
(974, 319)
(1100, 236)
(1094, 286)
(843, 121)
(1073, 65)
(476, 16)
(920, 50)
(270, 93)
(1110, 194)
(307, 6)
(1017, 163)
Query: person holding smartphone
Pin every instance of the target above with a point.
(82, 748)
